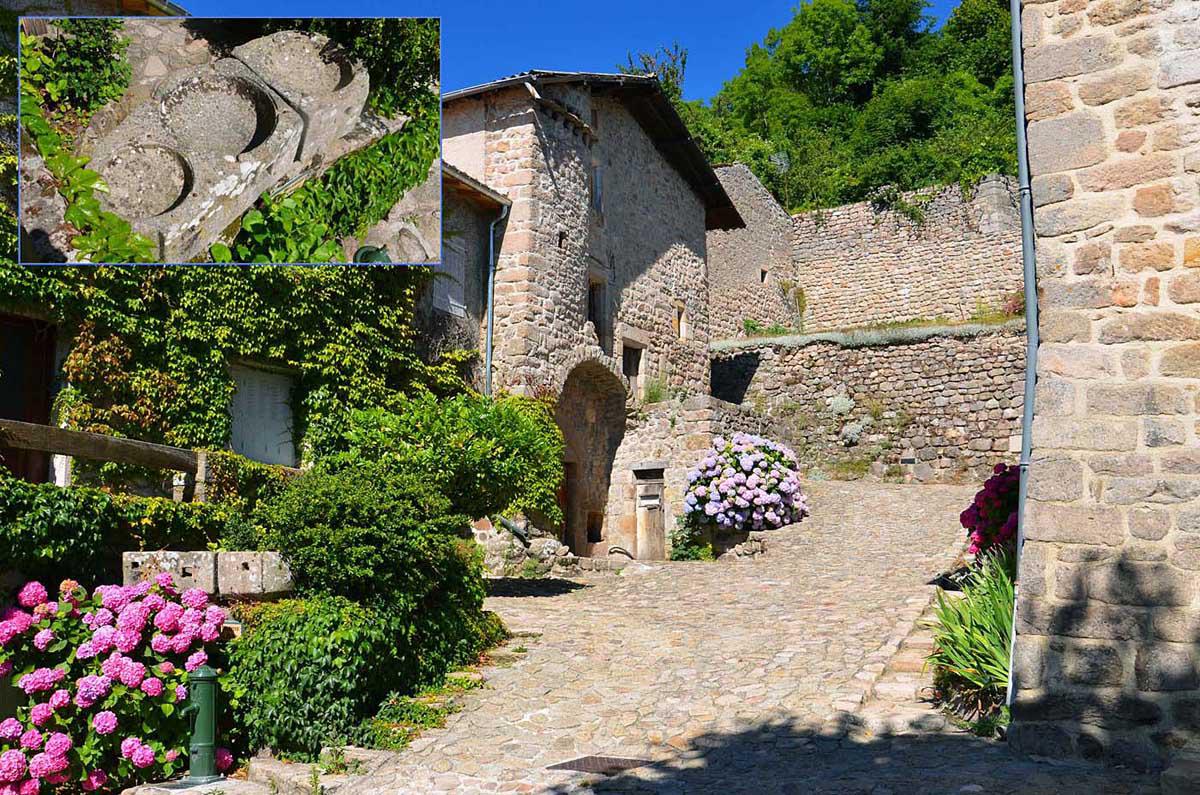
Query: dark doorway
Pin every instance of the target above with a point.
(26, 385)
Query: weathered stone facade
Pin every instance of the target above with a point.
(1106, 662)
(939, 406)
(601, 295)
(751, 275)
(859, 265)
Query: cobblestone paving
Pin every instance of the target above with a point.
(738, 677)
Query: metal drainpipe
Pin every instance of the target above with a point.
(1029, 263)
(491, 300)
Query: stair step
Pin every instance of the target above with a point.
(228, 786)
(903, 721)
(897, 691)
(908, 663)
(292, 778)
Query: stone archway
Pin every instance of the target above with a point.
(591, 415)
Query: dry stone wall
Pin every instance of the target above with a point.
(945, 406)
(1108, 618)
(859, 265)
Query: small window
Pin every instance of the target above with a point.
(762, 275)
(631, 367)
(595, 305)
(598, 188)
(681, 321)
(449, 294)
(261, 411)
(595, 527)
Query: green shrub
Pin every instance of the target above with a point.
(972, 636)
(486, 455)
(688, 543)
(309, 671)
(47, 531)
(80, 68)
(362, 531)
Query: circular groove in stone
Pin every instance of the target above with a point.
(145, 180)
(219, 114)
(300, 66)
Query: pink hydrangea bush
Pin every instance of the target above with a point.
(991, 519)
(105, 677)
(745, 483)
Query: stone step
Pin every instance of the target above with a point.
(907, 662)
(902, 692)
(902, 721)
(294, 778)
(227, 786)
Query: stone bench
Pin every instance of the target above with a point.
(227, 575)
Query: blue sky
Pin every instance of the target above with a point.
(483, 39)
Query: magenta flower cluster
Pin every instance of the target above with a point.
(97, 670)
(991, 519)
(745, 483)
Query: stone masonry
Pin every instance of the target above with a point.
(946, 405)
(1107, 662)
(859, 265)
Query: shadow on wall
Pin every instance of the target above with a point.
(731, 377)
(1106, 659)
(791, 756)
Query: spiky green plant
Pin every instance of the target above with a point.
(971, 636)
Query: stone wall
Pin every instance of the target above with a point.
(1108, 616)
(750, 271)
(949, 402)
(859, 265)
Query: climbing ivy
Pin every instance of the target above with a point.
(356, 192)
(151, 347)
(8, 154)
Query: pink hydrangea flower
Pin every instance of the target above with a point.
(195, 661)
(60, 699)
(127, 640)
(44, 764)
(140, 589)
(43, 639)
(209, 632)
(224, 759)
(164, 580)
(172, 754)
(143, 757)
(10, 729)
(104, 639)
(167, 667)
(12, 765)
(161, 644)
(41, 680)
(152, 687)
(46, 609)
(86, 651)
(30, 787)
(114, 597)
(57, 778)
(194, 598)
(6, 668)
(95, 780)
(181, 692)
(129, 745)
(57, 744)
(31, 740)
(215, 615)
(134, 617)
(113, 666)
(167, 619)
(104, 722)
(182, 642)
(91, 689)
(154, 601)
(41, 714)
(133, 673)
(32, 594)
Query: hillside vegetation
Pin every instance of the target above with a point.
(854, 95)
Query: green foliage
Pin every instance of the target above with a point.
(754, 328)
(486, 455)
(402, 56)
(8, 154)
(971, 637)
(688, 542)
(79, 69)
(401, 718)
(46, 94)
(150, 356)
(853, 95)
(46, 530)
(364, 530)
(356, 192)
(307, 671)
(655, 390)
(668, 63)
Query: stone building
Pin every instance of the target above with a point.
(601, 294)
(1108, 617)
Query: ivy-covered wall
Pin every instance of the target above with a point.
(149, 348)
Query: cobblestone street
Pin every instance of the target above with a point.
(729, 677)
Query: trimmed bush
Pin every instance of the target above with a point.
(486, 455)
(46, 530)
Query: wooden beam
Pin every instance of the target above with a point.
(95, 446)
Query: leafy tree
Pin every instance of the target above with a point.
(670, 64)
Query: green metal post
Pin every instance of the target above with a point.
(372, 254)
(202, 754)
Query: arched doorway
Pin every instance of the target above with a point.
(591, 414)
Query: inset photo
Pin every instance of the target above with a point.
(192, 140)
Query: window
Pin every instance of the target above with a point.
(681, 321)
(262, 415)
(762, 275)
(596, 310)
(631, 367)
(595, 527)
(597, 187)
(448, 280)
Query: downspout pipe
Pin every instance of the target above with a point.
(1029, 265)
(491, 300)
